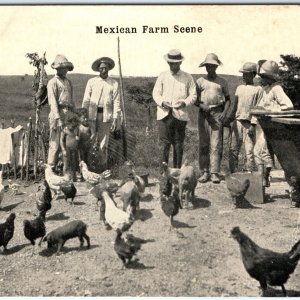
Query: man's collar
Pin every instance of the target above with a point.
(175, 74)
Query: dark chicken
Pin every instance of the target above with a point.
(266, 266)
(7, 230)
(125, 249)
(69, 192)
(43, 199)
(237, 188)
(34, 229)
(169, 199)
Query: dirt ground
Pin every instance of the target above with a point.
(197, 259)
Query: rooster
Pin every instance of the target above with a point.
(237, 189)
(7, 230)
(138, 180)
(2, 188)
(43, 199)
(264, 265)
(91, 177)
(69, 192)
(34, 229)
(169, 199)
(115, 217)
(125, 249)
(55, 182)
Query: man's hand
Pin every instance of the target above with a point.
(251, 130)
(113, 125)
(222, 118)
(64, 153)
(166, 104)
(179, 104)
(204, 107)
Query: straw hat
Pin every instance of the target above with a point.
(248, 67)
(174, 56)
(269, 69)
(108, 61)
(62, 62)
(211, 59)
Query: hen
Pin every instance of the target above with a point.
(115, 217)
(91, 177)
(125, 249)
(43, 199)
(237, 189)
(55, 182)
(69, 192)
(264, 265)
(34, 229)
(172, 173)
(2, 188)
(138, 180)
(169, 199)
(7, 230)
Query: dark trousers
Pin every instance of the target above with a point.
(172, 132)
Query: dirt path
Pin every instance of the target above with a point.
(199, 259)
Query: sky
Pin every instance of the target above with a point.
(236, 33)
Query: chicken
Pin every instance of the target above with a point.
(91, 177)
(43, 199)
(187, 183)
(169, 199)
(172, 173)
(237, 188)
(7, 230)
(129, 194)
(264, 265)
(69, 192)
(14, 187)
(34, 229)
(55, 182)
(2, 188)
(125, 249)
(115, 217)
(138, 180)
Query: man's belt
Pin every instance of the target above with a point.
(215, 105)
(99, 109)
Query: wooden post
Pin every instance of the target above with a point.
(36, 142)
(22, 156)
(29, 127)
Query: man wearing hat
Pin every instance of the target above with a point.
(174, 90)
(102, 101)
(60, 100)
(247, 95)
(273, 99)
(214, 130)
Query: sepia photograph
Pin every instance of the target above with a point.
(150, 150)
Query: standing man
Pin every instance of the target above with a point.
(102, 101)
(60, 99)
(214, 130)
(173, 91)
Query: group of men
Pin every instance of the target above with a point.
(224, 124)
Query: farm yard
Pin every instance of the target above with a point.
(197, 258)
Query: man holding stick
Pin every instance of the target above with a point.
(102, 101)
(173, 91)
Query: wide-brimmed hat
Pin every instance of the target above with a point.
(174, 56)
(211, 59)
(108, 61)
(249, 67)
(62, 62)
(269, 69)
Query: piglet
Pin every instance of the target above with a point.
(68, 231)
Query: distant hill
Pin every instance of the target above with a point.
(16, 96)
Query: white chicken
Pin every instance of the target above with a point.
(91, 177)
(138, 180)
(14, 187)
(115, 217)
(56, 182)
(171, 173)
(2, 189)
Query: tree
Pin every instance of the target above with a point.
(290, 77)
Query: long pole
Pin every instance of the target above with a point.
(121, 86)
(29, 128)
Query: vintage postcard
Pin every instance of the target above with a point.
(150, 150)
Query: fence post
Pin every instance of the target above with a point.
(29, 126)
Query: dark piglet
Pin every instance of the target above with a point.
(68, 231)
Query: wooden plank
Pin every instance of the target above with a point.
(295, 121)
(262, 112)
